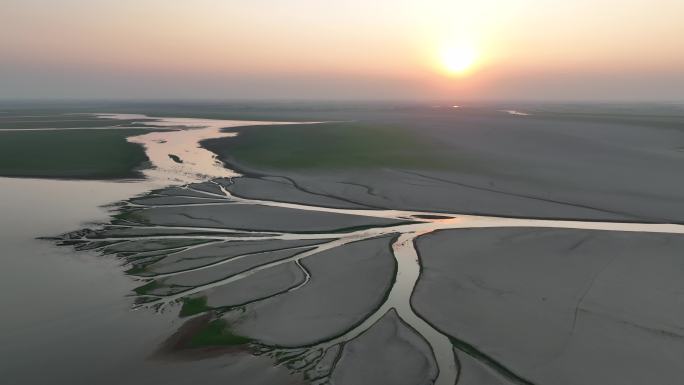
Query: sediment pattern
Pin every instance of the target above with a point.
(317, 287)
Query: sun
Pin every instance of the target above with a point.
(458, 60)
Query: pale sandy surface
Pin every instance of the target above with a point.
(546, 302)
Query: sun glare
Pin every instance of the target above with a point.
(458, 60)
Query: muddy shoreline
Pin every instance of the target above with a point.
(315, 272)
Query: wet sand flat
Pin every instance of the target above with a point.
(541, 165)
(516, 263)
(317, 298)
(547, 302)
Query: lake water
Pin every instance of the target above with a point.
(68, 312)
(67, 315)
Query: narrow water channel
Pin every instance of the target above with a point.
(194, 164)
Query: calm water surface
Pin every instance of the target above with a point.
(67, 315)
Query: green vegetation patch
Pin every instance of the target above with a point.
(329, 146)
(138, 269)
(10, 123)
(192, 306)
(135, 216)
(217, 333)
(148, 287)
(80, 154)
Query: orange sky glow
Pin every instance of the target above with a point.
(511, 49)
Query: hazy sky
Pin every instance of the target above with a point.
(368, 49)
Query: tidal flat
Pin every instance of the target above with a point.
(554, 162)
(499, 257)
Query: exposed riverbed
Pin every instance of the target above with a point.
(206, 215)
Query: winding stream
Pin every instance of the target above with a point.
(176, 155)
(199, 165)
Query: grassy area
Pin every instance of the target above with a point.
(81, 154)
(192, 306)
(217, 333)
(147, 288)
(57, 122)
(328, 146)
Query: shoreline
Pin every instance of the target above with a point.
(308, 236)
(177, 156)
